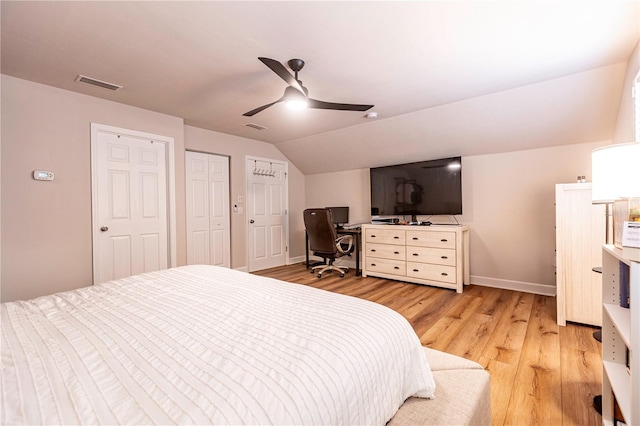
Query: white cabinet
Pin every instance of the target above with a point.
(620, 336)
(434, 255)
(580, 234)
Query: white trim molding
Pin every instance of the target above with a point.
(535, 288)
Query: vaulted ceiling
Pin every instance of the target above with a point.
(446, 77)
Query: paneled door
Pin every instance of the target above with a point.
(267, 215)
(208, 218)
(130, 205)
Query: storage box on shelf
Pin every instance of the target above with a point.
(434, 255)
(620, 335)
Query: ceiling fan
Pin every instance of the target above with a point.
(296, 95)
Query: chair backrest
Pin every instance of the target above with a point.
(321, 231)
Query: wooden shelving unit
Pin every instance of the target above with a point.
(620, 338)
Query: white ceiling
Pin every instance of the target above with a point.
(446, 77)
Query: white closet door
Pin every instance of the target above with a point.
(131, 206)
(208, 224)
(267, 201)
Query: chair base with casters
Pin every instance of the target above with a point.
(329, 268)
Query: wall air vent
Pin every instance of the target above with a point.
(256, 126)
(99, 83)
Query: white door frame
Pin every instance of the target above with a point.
(248, 173)
(171, 187)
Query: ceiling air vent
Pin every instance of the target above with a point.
(256, 126)
(99, 83)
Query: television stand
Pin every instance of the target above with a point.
(434, 255)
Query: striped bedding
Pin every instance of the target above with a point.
(206, 345)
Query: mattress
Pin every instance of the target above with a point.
(206, 345)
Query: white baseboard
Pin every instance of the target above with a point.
(242, 269)
(542, 289)
(297, 259)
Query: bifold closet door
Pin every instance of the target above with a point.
(208, 224)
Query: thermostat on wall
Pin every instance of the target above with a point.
(42, 175)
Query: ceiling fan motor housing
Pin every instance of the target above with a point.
(296, 65)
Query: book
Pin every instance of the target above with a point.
(624, 285)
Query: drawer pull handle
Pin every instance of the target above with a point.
(373, 250)
(444, 274)
(373, 264)
(416, 254)
(443, 257)
(396, 238)
(396, 252)
(415, 238)
(373, 236)
(444, 240)
(396, 267)
(416, 270)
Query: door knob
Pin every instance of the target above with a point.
(104, 228)
(251, 221)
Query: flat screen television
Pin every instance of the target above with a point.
(424, 188)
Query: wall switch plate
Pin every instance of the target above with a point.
(241, 198)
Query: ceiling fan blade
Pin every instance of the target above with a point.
(280, 69)
(259, 109)
(314, 103)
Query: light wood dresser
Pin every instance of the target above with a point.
(432, 255)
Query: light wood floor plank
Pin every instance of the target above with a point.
(536, 398)
(541, 374)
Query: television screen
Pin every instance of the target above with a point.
(340, 215)
(424, 188)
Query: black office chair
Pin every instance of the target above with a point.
(324, 241)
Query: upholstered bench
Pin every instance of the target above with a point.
(463, 395)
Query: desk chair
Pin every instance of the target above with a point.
(324, 241)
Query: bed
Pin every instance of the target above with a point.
(207, 345)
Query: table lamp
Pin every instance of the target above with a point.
(615, 171)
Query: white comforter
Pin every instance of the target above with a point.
(206, 345)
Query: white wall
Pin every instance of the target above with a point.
(625, 123)
(46, 226)
(508, 203)
(237, 149)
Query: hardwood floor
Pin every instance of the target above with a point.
(541, 374)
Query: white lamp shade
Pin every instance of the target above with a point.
(615, 172)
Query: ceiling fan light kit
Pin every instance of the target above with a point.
(296, 96)
(294, 99)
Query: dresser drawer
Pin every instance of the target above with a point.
(437, 256)
(385, 236)
(446, 274)
(431, 239)
(386, 251)
(386, 266)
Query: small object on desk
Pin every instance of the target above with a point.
(631, 234)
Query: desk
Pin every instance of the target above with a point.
(357, 235)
